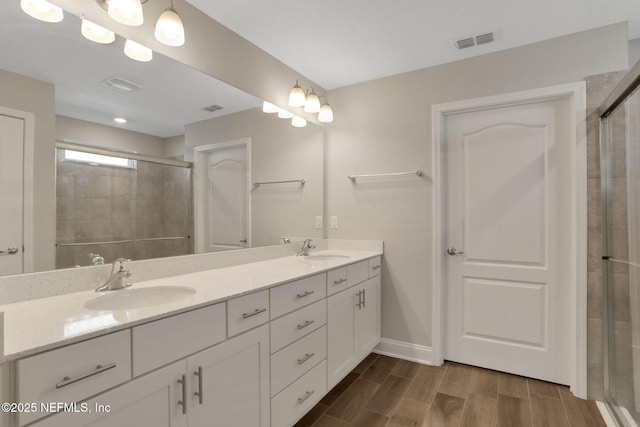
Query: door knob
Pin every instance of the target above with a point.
(243, 241)
(453, 251)
(10, 251)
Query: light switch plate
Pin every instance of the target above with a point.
(318, 221)
(334, 222)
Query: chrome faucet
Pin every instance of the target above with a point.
(96, 259)
(306, 245)
(119, 274)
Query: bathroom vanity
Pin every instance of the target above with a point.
(257, 344)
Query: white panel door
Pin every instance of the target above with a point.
(11, 194)
(507, 215)
(226, 199)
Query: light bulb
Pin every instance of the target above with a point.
(169, 28)
(326, 114)
(296, 96)
(137, 51)
(127, 12)
(284, 114)
(312, 104)
(42, 10)
(268, 107)
(298, 122)
(96, 33)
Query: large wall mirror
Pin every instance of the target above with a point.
(180, 176)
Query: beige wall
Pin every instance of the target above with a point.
(385, 126)
(278, 152)
(37, 97)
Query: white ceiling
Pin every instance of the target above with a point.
(341, 42)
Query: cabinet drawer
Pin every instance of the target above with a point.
(72, 373)
(247, 312)
(290, 363)
(336, 280)
(375, 266)
(296, 400)
(357, 273)
(293, 326)
(291, 296)
(166, 340)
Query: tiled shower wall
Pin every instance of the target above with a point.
(97, 203)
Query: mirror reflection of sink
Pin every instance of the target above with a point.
(324, 257)
(138, 298)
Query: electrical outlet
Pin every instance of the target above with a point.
(318, 222)
(334, 222)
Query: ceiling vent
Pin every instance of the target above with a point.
(212, 108)
(468, 42)
(123, 85)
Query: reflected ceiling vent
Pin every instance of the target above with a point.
(123, 85)
(212, 108)
(468, 42)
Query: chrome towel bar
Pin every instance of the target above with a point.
(377, 175)
(302, 181)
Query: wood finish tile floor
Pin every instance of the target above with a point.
(387, 392)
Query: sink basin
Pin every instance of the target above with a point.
(324, 257)
(126, 299)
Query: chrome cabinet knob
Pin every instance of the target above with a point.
(453, 251)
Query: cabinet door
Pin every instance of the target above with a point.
(151, 400)
(341, 335)
(229, 383)
(368, 316)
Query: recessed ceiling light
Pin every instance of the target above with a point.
(120, 120)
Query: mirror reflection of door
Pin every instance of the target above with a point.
(11, 194)
(226, 201)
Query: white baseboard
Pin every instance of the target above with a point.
(404, 350)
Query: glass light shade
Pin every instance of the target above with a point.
(127, 12)
(42, 10)
(96, 33)
(268, 107)
(284, 114)
(326, 114)
(137, 51)
(312, 104)
(297, 96)
(169, 28)
(298, 122)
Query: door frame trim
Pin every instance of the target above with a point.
(576, 93)
(200, 152)
(28, 241)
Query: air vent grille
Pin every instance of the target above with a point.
(465, 43)
(121, 84)
(484, 38)
(212, 108)
(468, 42)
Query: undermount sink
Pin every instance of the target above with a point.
(126, 299)
(324, 257)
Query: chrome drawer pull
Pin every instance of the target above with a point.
(183, 402)
(255, 312)
(305, 358)
(359, 304)
(337, 282)
(304, 294)
(100, 368)
(306, 396)
(305, 324)
(375, 267)
(364, 298)
(198, 393)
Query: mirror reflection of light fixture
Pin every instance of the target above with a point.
(312, 103)
(284, 114)
(298, 122)
(169, 28)
(127, 12)
(137, 51)
(42, 10)
(326, 113)
(297, 96)
(269, 108)
(96, 33)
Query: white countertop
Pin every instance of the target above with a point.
(40, 324)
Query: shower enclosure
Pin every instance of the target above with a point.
(620, 166)
(119, 204)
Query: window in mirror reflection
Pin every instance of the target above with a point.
(98, 159)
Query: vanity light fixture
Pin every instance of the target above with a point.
(269, 108)
(298, 122)
(127, 12)
(137, 51)
(42, 10)
(120, 120)
(297, 97)
(96, 33)
(312, 103)
(169, 28)
(284, 114)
